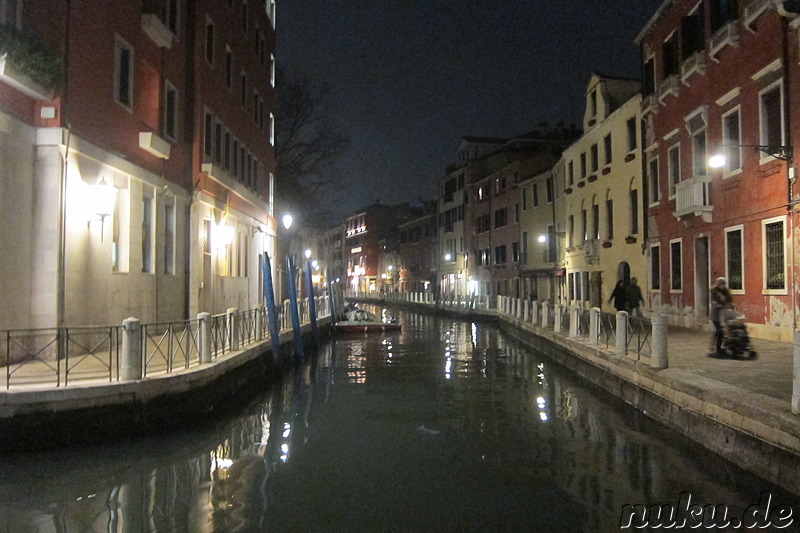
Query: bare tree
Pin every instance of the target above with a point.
(308, 144)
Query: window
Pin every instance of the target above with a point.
(669, 54)
(535, 195)
(170, 124)
(631, 128)
(272, 70)
(692, 36)
(722, 12)
(675, 265)
(595, 163)
(583, 165)
(733, 258)
(524, 200)
(549, 186)
(123, 72)
(570, 173)
(524, 251)
(697, 129)
(595, 221)
(771, 116)
(774, 255)
(218, 142)
(208, 137)
(171, 13)
(261, 49)
(634, 208)
(228, 67)
(235, 158)
(500, 254)
(609, 219)
(607, 148)
(655, 267)
(210, 41)
(648, 81)
(674, 168)
(501, 217)
(515, 252)
(652, 181)
(226, 151)
(551, 244)
(584, 226)
(147, 235)
(731, 139)
(169, 239)
(271, 129)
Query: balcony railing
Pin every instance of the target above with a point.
(694, 63)
(667, 87)
(692, 198)
(726, 35)
(754, 9)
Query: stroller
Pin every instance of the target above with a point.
(735, 341)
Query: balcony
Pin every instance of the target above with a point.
(695, 63)
(27, 65)
(726, 35)
(667, 87)
(753, 10)
(649, 104)
(155, 29)
(692, 198)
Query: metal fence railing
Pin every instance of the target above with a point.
(57, 357)
(639, 336)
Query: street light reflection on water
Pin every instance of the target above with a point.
(371, 434)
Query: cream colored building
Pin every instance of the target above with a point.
(602, 195)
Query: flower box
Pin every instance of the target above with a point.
(568, 190)
(606, 244)
(630, 157)
(591, 178)
(581, 184)
(630, 239)
(606, 170)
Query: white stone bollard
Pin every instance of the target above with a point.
(594, 325)
(204, 332)
(233, 325)
(131, 349)
(659, 358)
(557, 317)
(796, 380)
(534, 312)
(573, 321)
(526, 310)
(622, 333)
(545, 315)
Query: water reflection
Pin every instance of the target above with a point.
(445, 425)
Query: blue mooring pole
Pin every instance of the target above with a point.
(298, 339)
(272, 311)
(331, 302)
(312, 305)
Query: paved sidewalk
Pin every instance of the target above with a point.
(770, 374)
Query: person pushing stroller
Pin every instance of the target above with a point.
(730, 331)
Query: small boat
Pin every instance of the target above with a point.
(360, 321)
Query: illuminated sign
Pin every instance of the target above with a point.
(355, 250)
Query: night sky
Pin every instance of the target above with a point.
(409, 78)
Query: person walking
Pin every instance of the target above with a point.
(619, 296)
(721, 299)
(634, 297)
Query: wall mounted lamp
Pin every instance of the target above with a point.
(102, 199)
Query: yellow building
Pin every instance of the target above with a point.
(600, 197)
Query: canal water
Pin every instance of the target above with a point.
(444, 426)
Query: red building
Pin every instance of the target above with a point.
(417, 254)
(160, 107)
(717, 76)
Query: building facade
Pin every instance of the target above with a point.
(108, 204)
(717, 82)
(601, 201)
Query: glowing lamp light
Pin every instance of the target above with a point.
(448, 257)
(287, 221)
(542, 238)
(472, 286)
(103, 197)
(716, 161)
(308, 254)
(222, 235)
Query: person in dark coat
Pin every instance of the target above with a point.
(635, 298)
(721, 299)
(619, 296)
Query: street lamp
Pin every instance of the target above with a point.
(287, 220)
